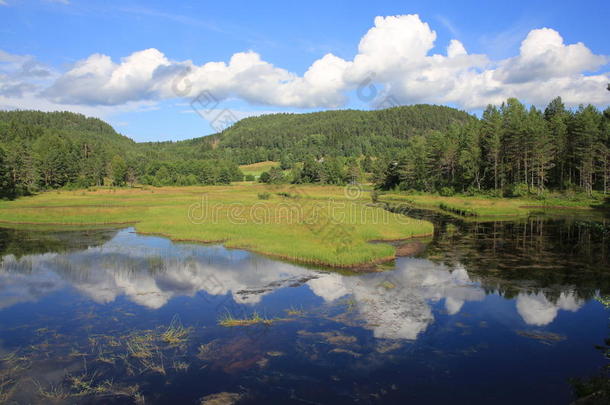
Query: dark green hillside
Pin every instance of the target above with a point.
(47, 150)
(345, 133)
(511, 150)
(29, 126)
(40, 150)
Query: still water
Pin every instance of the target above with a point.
(493, 312)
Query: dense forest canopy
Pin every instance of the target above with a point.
(510, 149)
(41, 150)
(346, 133)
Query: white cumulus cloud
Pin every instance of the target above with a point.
(395, 56)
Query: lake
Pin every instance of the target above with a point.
(490, 312)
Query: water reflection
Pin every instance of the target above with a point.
(148, 271)
(151, 271)
(142, 313)
(537, 309)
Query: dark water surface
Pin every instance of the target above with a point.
(493, 312)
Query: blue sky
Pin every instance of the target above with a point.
(75, 55)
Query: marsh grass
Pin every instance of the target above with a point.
(480, 206)
(12, 368)
(294, 311)
(175, 334)
(52, 392)
(161, 350)
(84, 384)
(269, 227)
(75, 387)
(255, 318)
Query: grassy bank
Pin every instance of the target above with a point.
(467, 206)
(256, 169)
(311, 224)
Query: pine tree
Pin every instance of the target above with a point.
(470, 159)
(585, 131)
(491, 142)
(543, 148)
(604, 151)
(514, 138)
(557, 117)
(7, 184)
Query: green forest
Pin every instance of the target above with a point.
(40, 151)
(510, 150)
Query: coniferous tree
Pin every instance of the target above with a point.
(7, 184)
(543, 149)
(585, 131)
(491, 143)
(470, 159)
(557, 117)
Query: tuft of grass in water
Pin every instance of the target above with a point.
(255, 319)
(141, 346)
(175, 334)
(54, 392)
(293, 311)
(83, 384)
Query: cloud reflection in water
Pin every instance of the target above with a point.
(151, 271)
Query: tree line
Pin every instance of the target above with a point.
(40, 151)
(511, 150)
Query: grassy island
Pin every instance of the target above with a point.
(321, 225)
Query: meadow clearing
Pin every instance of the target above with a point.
(255, 169)
(322, 225)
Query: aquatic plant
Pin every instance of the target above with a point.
(53, 392)
(254, 319)
(175, 334)
(294, 311)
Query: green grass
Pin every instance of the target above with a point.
(256, 169)
(309, 224)
(481, 206)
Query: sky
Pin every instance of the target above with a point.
(160, 70)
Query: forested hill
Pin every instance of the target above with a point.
(52, 149)
(348, 133)
(28, 126)
(419, 147)
(41, 150)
